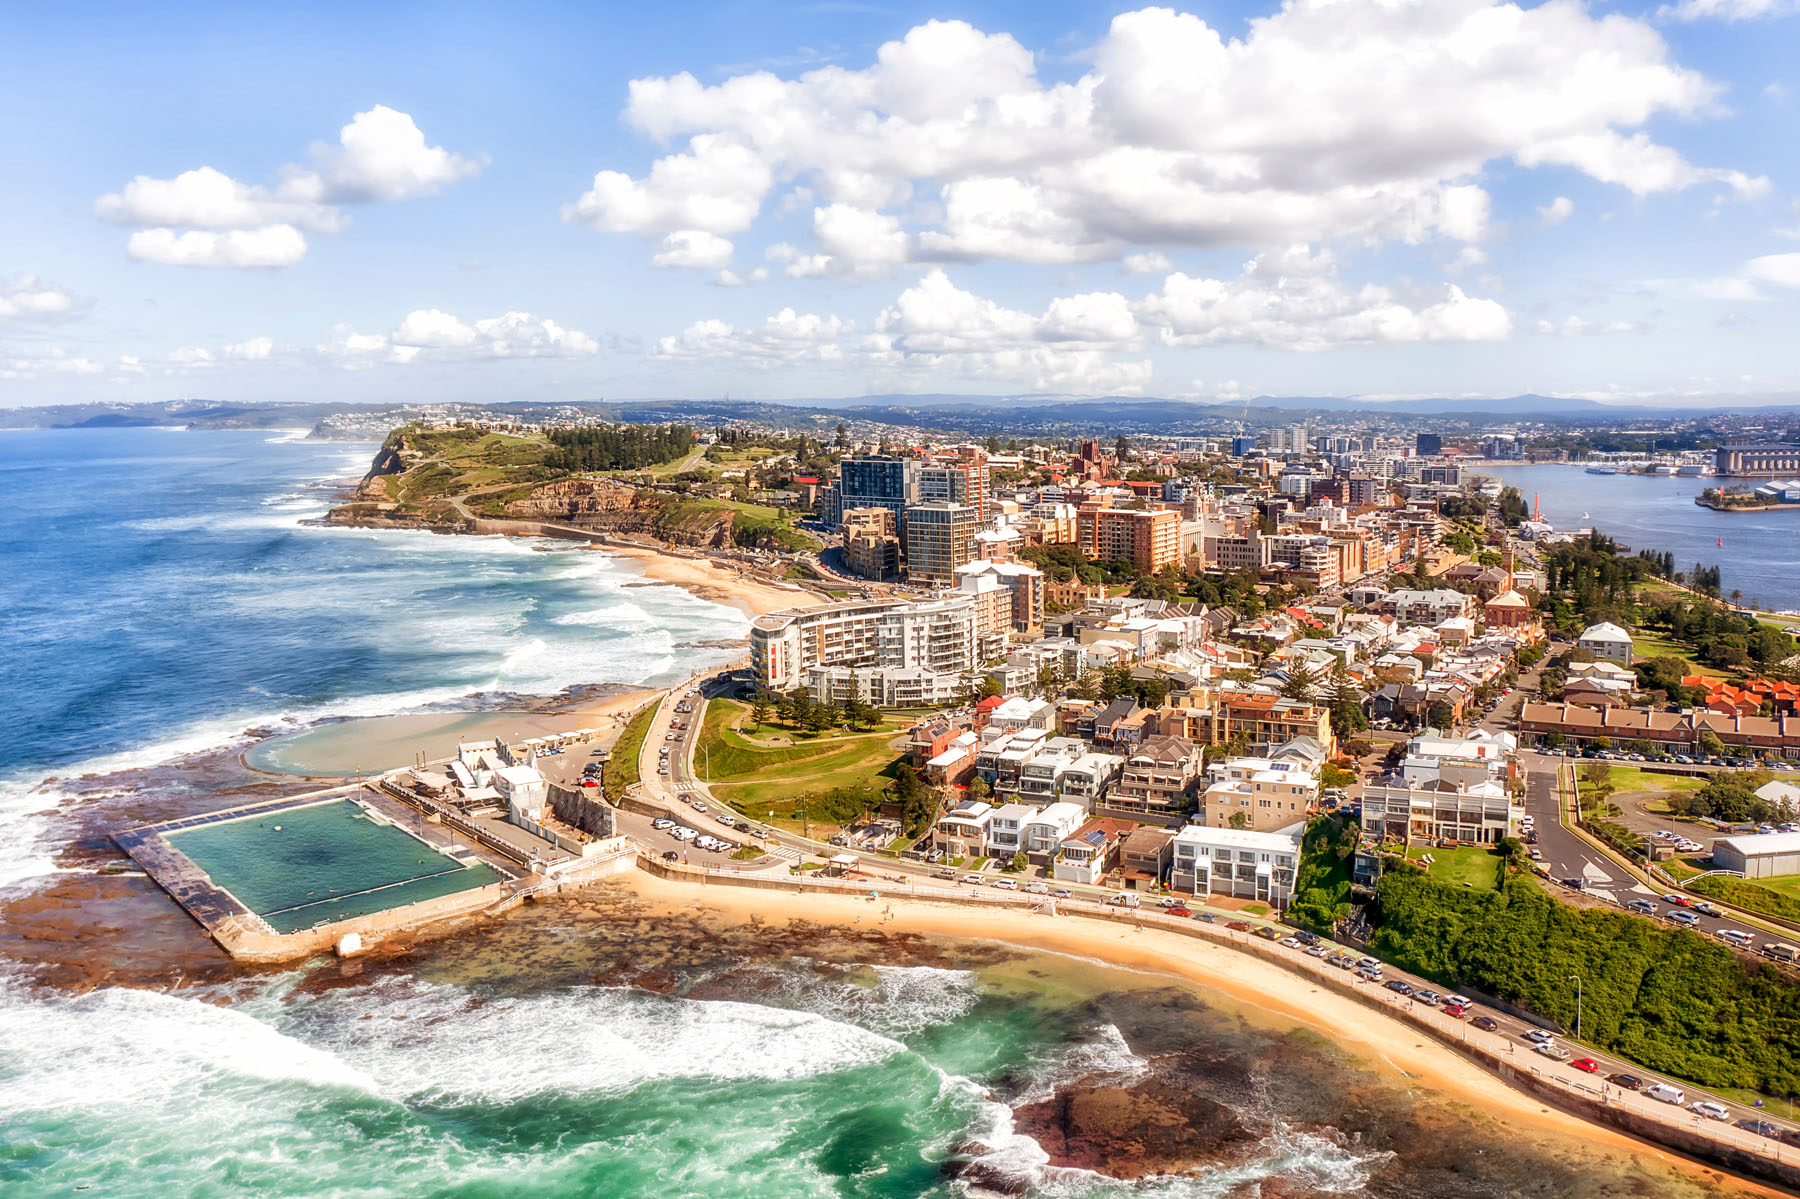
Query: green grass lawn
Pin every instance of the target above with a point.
(757, 777)
(1656, 645)
(622, 768)
(1629, 778)
(1781, 884)
(1475, 865)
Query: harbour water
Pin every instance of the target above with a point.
(1761, 553)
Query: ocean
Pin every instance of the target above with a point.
(165, 606)
(1760, 556)
(163, 597)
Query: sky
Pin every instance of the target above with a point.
(418, 203)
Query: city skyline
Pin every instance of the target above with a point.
(1222, 201)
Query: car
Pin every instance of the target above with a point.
(1317, 951)
(1307, 938)
(1536, 1036)
(1573, 884)
(1536, 855)
(1238, 926)
(1762, 1128)
(973, 878)
(1486, 1023)
(1455, 1011)
(1168, 901)
(1629, 1082)
(1399, 987)
(1551, 1050)
(1373, 976)
(1005, 884)
(1181, 909)
(699, 805)
(727, 819)
(1705, 908)
(1736, 937)
(671, 855)
(1586, 1065)
(1426, 995)
(1662, 1092)
(1061, 893)
(590, 782)
(1680, 901)
(1685, 918)
(1291, 942)
(661, 822)
(945, 873)
(1709, 1109)
(1209, 917)
(1267, 933)
(1038, 888)
(1459, 1001)
(662, 768)
(1641, 906)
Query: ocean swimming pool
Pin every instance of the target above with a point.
(298, 867)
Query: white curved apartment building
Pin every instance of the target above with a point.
(938, 635)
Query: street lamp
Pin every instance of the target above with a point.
(1577, 979)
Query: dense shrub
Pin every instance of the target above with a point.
(1670, 999)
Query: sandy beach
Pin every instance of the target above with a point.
(1392, 1048)
(715, 582)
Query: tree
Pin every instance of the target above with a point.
(1710, 743)
(843, 436)
(980, 789)
(1122, 448)
(1239, 820)
(1302, 682)
(1336, 776)
(759, 710)
(1554, 740)
(1017, 863)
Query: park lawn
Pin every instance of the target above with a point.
(1656, 645)
(622, 767)
(1781, 884)
(1680, 869)
(759, 778)
(1626, 778)
(1474, 865)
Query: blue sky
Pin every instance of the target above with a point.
(1370, 197)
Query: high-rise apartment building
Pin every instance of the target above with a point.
(957, 482)
(937, 636)
(940, 536)
(878, 482)
(1150, 538)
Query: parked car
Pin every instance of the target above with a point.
(1238, 926)
(1005, 884)
(1307, 938)
(660, 823)
(1586, 1065)
(1180, 909)
(1553, 1051)
(1486, 1023)
(973, 878)
(1662, 1092)
(1455, 1011)
(1630, 1082)
(1398, 987)
(1641, 906)
(1762, 1128)
(1038, 888)
(1426, 995)
(1709, 1109)
(1318, 951)
(1267, 933)
(1209, 917)
(1536, 1036)
(946, 874)
(1291, 942)
(1061, 893)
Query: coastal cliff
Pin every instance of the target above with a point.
(447, 480)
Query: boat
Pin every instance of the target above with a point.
(1602, 470)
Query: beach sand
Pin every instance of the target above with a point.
(1394, 1049)
(714, 581)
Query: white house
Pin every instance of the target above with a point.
(1237, 863)
(524, 789)
(963, 832)
(1607, 642)
(1006, 828)
(1044, 830)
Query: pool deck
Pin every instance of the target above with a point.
(246, 935)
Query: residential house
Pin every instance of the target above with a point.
(1045, 829)
(1005, 829)
(1087, 854)
(1159, 777)
(1607, 642)
(1145, 855)
(1237, 863)
(962, 832)
(1259, 793)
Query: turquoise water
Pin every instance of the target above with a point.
(755, 1078)
(298, 867)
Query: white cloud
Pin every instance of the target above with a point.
(1151, 262)
(29, 298)
(1575, 326)
(1782, 269)
(273, 246)
(253, 350)
(693, 248)
(429, 334)
(381, 156)
(731, 278)
(35, 364)
(1557, 211)
(1728, 10)
(1352, 121)
(1295, 300)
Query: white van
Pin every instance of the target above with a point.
(1125, 899)
(1667, 1094)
